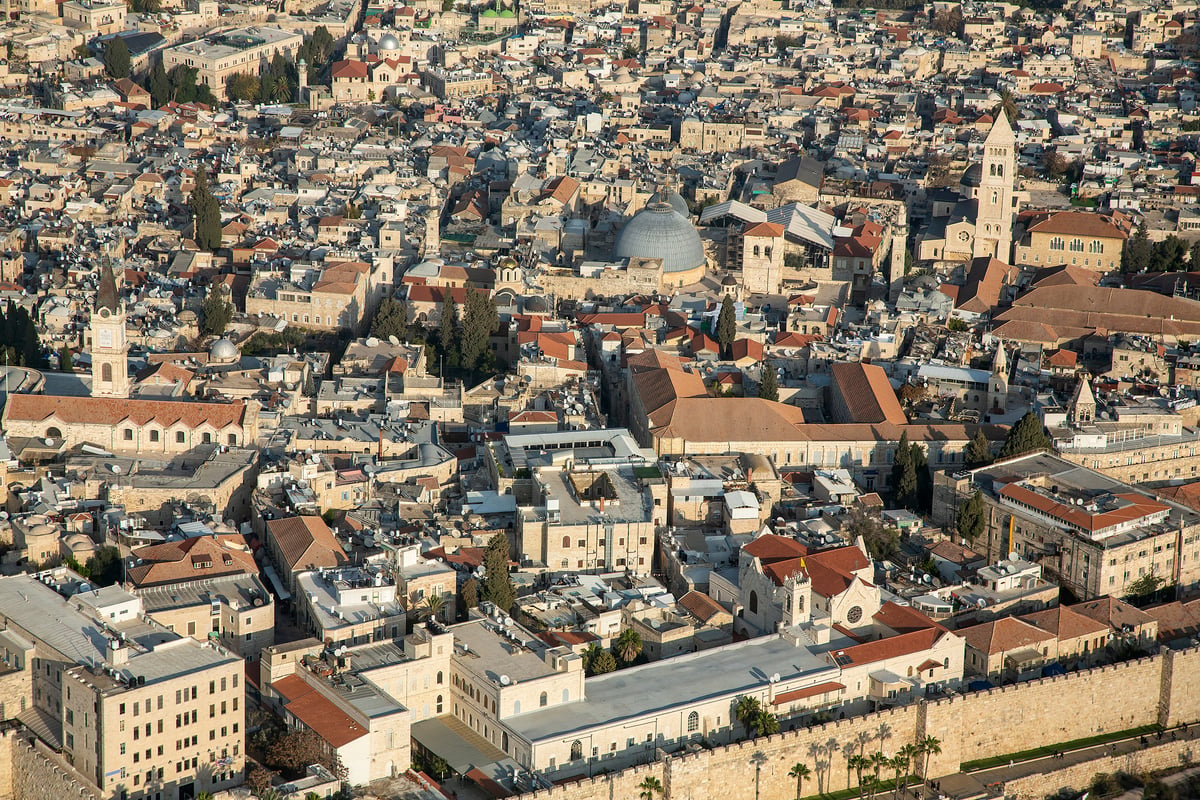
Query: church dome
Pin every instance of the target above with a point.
(972, 176)
(389, 42)
(659, 231)
(223, 350)
(674, 198)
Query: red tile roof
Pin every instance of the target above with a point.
(810, 691)
(99, 410)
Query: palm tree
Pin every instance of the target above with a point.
(878, 760)
(746, 710)
(909, 752)
(434, 604)
(859, 763)
(281, 89)
(765, 723)
(1008, 105)
(897, 764)
(799, 772)
(871, 784)
(628, 646)
(650, 786)
(930, 746)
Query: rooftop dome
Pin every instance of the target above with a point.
(223, 350)
(659, 231)
(673, 197)
(389, 42)
(973, 175)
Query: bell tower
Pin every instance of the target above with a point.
(995, 210)
(110, 351)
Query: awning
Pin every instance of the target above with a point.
(808, 691)
(451, 740)
(886, 677)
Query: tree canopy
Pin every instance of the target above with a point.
(391, 319)
(116, 58)
(19, 338)
(972, 518)
(206, 213)
(979, 451)
(497, 583)
(1025, 437)
(726, 325)
(768, 389)
(216, 313)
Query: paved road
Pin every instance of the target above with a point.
(972, 784)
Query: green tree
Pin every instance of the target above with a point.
(107, 566)
(216, 312)
(1144, 586)
(904, 474)
(1136, 255)
(1008, 106)
(1026, 436)
(858, 762)
(930, 746)
(391, 319)
(351, 211)
(470, 594)
(972, 518)
(801, 773)
(497, 582)
(650, 786)
(66, 359)
(765, 723)
(882, 542)
(628, 646)
(726, 326)
(768, 388)
(159, 85)
(448, 329)
(746, 709)
(1169, 255)
(116, 58)
(603, 663)
(243, 86)
(206, 213)
(480, 319)
(1194, 256)
(979, 451)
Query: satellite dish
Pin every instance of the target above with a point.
(1013, 556)
(393, 340)
(115, 469)
(48, 441)
(775, 678)
(505, 680)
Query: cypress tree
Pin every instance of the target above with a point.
(497, 583)
(726, 325)
(206, 213)
(116, 58)
(768, 388)
(1026, 436)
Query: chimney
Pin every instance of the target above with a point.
(117, 653)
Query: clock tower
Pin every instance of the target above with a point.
(996, 207)
(110, 351)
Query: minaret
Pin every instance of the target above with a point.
(110, 351)
(995, 210)
(301, 81)
(998, 382)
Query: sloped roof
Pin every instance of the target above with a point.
(305, 542)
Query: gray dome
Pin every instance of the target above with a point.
(389, 42)
(673, 197)
(972, 176)
(659, 231)
(223, 350)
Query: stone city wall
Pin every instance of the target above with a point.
(1163, 689)
(37, 771)
(1155, 757)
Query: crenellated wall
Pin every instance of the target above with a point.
(1163, 689)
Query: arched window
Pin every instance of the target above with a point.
(154, 436)
(53, 433)
(232, 438)
(207, 438)
(566, 542)
(440, 678)
(995, 197)
(576, 750)
(755, 250)
(106, 373)
(179, 437)
(1056, 243)
(504, 741)
(543, 700)
(439, 704)
(999, 170)
(693, 722)
(753, 602)
(1076, 246)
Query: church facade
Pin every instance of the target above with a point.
(109, 418)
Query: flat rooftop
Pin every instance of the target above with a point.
(489, 655)
(638, 691)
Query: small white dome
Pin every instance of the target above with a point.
(223, 350)
(389, 42)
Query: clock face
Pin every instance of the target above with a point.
(105, 338)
